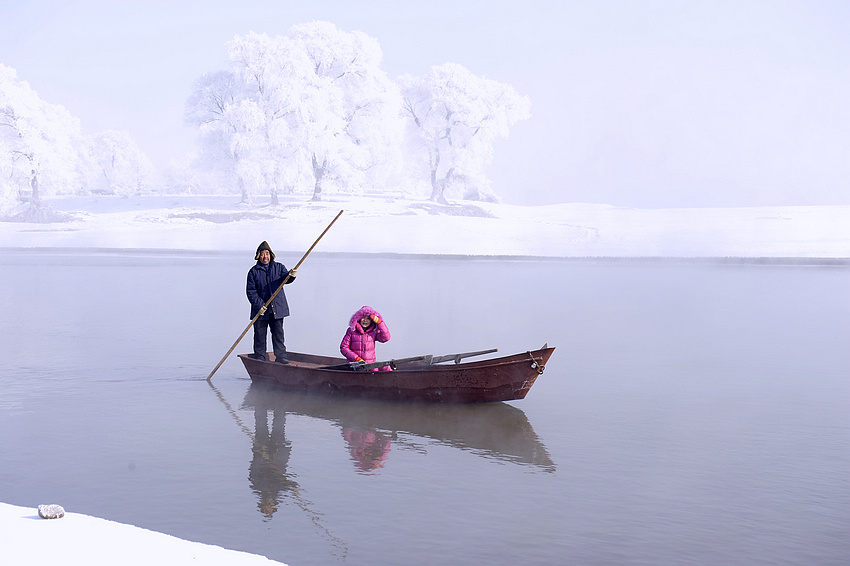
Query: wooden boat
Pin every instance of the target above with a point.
(415, 379)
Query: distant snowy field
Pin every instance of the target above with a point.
(386, 225)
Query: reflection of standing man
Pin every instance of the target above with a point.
(267, 472)
(263, 280)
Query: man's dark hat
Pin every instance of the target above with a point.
(264, 246)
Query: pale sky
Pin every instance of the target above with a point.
(634, 103)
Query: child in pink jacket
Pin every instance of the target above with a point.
(364, 329)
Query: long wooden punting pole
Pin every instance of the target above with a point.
(285, 281)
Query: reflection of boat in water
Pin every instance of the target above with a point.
(493, 430)
(498, 379)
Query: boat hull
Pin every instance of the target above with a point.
(499, 379)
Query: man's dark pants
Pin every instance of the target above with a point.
(260, 330)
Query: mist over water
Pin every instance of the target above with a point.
(692, 413)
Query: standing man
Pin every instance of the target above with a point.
(263, 280)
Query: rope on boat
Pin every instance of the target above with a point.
(535, 365)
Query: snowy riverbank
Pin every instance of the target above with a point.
(373, 225)
(79, 539)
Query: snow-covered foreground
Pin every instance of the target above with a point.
(373, 225)
(26, 538)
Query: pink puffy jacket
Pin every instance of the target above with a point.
(358, 342)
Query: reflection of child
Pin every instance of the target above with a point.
(365, 327)
(369, 448)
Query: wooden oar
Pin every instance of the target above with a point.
(265, 306)
(363, 366)
(428, 359)
(456, 358)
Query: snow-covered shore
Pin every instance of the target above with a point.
(25, 538)
(380, 225)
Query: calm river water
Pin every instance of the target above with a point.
(692, 413)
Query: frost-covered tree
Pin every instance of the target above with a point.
(38, 143)
(302, 111)
(212, 109)
(265, 111)
(353, 131)
(456, 117)
(8, 195)
(116, 165)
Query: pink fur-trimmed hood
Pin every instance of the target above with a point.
(364, 311)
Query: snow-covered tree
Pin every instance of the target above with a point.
(353, 131)
(210, 109)
(301, 111)
(8, 195)
(266, 110)
(38, 143)
(116, 165)
(456, 117)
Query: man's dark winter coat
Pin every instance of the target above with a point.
(263, 281)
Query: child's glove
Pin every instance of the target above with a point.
(376, 319)
(358, 359)
(293, 272)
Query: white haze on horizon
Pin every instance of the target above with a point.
(636, 104)
(221, 224)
